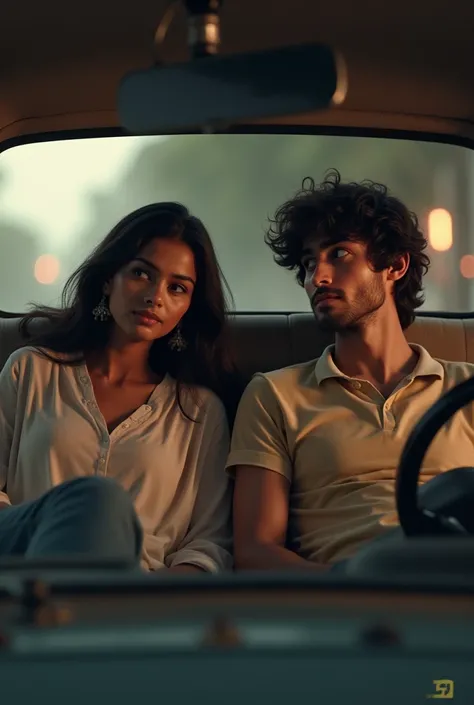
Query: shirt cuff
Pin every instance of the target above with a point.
(261, 460)
(201, 560)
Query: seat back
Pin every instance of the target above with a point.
(265, 342)
(269, 341)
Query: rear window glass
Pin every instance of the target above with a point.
(58, 199)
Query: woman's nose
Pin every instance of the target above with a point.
(154, 297)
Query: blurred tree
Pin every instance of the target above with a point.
(18, 286)
(234, 182)
(19, 248)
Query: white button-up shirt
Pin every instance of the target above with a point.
(51, 430)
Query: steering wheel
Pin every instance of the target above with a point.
(445, 504)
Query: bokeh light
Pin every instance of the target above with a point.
(466, 265)
(440, 229)
(47, 269)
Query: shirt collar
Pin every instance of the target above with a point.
(426, 366)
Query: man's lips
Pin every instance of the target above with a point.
(324, 298)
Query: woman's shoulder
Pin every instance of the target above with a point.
(202, 403)
(22, 356)
(33, 358)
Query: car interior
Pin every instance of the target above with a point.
(400, 625)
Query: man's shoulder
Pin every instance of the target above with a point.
(301, 375)
(456, 372)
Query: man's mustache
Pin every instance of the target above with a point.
(325, 291)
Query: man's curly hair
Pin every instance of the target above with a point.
(363, 212)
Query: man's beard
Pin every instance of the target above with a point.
(356, 314)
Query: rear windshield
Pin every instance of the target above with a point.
(58, 199)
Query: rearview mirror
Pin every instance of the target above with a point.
(216, 91)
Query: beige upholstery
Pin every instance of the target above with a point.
(268, 341)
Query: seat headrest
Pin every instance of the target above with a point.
(269, 341)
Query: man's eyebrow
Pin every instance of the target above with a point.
(322, 245)
(175, 275)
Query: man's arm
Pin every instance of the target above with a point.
(260, 522)
(262, 465)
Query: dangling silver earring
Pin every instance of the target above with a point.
(101, 311)
(177, 341)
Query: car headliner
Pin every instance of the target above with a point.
(409, 63)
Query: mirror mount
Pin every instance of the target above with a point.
(212, 92)
(203, 27)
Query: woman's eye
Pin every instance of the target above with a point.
(178, 289)
(141, 273)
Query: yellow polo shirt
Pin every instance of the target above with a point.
(338, 441)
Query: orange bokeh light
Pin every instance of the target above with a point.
(440, 229)
(47, 269)
(466, 265)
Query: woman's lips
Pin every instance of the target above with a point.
(146, 319)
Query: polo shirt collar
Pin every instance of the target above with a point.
(426, 366)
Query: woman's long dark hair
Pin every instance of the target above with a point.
(72, 331)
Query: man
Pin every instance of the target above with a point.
(316, 446)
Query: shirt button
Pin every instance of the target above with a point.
(125, 425)
(147, 407)
(84, 380)
(101, 461)
(356, 385)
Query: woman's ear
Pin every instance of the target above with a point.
(106, 289)
(399, 267)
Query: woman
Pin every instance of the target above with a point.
(119, 404)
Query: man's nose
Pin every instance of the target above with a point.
(322, 275)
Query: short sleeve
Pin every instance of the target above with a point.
(259, 436)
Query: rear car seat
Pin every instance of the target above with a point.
(265, 342)
(268, 341)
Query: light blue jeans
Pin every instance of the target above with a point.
(88, 517)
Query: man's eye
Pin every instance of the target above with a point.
(340, 252)
(309, 264)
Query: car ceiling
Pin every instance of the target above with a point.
(409, 64)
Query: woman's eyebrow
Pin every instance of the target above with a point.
(176, 275)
